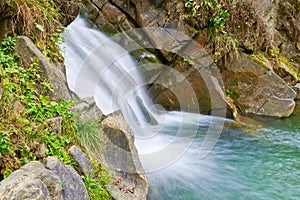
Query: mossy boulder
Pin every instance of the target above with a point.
(260, 90)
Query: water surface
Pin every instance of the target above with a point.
(263, 165)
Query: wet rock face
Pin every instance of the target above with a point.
(191, 91)
(256, 25)
(257, 89)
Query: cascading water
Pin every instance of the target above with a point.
(239, 167)
(105, 70)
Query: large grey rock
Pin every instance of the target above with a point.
(56, 181)
(120, 155)
(256, 89)
(74, 188)
(28, 53)
(32, 181)
(113, 146)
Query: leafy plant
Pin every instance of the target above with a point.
(25, 111)
(192, 6)
(217, 11)
(29, 118)
(96, 183)
(5, 142)
(232, 94)
(89, 134)
(210, 17)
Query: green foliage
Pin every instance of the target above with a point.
(90, 136)
(232, 94)
(41, 21)
(88, 133)
(57, 146)
(96, 183)
(218, 13)
(192, 6)
(25, 111)
(51, 48)
(5, 142)
(223, 44)
(29, 118)
(210, 17)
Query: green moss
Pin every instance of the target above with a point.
(260, 59)
(296, 58)
(288, 67)
(273, 52)
(232, 93)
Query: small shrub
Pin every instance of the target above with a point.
(97, 183)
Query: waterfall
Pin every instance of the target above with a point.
(241, 166)
(98, 66)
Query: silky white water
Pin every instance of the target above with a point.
(97, 66)
(239, 166)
